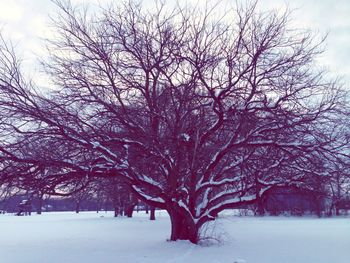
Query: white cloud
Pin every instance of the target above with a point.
(10, 11)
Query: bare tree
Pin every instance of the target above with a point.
(197, 113)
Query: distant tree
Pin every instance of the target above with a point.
(119, 192)
(81, 196)
(39, 166)
(197, 111)
(338, 185)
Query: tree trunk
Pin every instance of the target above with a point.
(260, 207)
(116, 211)
(129, 210)
(77, 207)
(98, 207)
(40, 204)
(337, 209)
(182, 227)
(153, 213)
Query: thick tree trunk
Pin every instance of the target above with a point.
(182, 227)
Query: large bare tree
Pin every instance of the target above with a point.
(198, 112)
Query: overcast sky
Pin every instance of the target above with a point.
(25, 23)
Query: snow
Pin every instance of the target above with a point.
(186, 137)
(147, 197)
(92, 237)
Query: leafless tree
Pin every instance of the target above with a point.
(198, 112)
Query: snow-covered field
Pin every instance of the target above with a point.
(91, 237)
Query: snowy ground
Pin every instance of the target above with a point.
(91, 237)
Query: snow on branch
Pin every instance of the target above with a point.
(158, 200)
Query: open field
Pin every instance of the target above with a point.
(91, 237)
